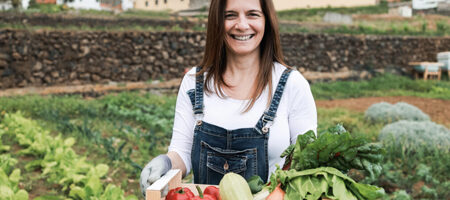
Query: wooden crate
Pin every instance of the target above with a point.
(173, 179)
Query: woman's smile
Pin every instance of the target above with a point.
(242, 37)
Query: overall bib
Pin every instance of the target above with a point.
(217, 151)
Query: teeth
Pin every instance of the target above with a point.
(242, 38)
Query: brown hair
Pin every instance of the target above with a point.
(214, 59)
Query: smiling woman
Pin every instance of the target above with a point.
(229, 116)
(244, 27)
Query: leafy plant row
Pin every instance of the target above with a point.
(58, 161)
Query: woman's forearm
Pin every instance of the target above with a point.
(177, 162)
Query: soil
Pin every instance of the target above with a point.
(437, 109)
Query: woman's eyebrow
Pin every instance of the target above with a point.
(255, 11)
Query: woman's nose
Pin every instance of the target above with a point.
(242, 23)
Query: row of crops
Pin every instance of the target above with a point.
(59, 147)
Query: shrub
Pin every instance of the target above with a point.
(416, 151)
(387, 113)
(414, 136)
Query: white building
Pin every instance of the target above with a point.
(426, 4)
(84, 4)
(6, 5)
(97, 4)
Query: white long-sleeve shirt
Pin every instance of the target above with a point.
(296, 115)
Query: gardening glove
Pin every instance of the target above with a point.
(156, 168)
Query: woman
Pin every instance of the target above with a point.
(243, 106)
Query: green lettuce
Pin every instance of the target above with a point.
(311, 184)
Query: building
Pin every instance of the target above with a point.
(84, 4)
(119, 5)
(7, 5)
(160, 5)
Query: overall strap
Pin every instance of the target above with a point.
(198, 103)
(269, 115)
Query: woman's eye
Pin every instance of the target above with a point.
(254, 14)
(229, 15)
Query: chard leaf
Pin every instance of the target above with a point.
(340, 190)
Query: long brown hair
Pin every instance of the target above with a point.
(214, 60)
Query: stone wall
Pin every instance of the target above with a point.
(44, 58)
(58, 20)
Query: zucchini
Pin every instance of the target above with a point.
(233, 186)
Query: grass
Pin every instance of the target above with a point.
(315, 14)
(382, 85)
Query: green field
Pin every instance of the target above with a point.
(123, 131)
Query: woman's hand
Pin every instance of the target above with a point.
(156, 168)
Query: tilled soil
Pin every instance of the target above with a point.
(437, 109)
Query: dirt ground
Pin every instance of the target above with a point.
(437, 109)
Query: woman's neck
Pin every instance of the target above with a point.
(241, 67)
(240, 76)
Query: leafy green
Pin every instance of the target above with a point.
(58, 161)
(322, 182)
(335, 148)
(256, 184)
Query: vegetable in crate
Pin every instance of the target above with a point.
(233, 186)
(213, 191)
(201, 195)
(334, 148)
(180, 193)
(321, 182)
(314, 167)
(255, 183)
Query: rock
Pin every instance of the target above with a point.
(4, 56)
(39, 74)
(37, 66)
(3, 63)
(73, 75)
(16, 56)
(85, 50)
(180, 60)
(96, 78)
(74, 46)
(150, 59)
(55, 74)
(165, 55)
(47, 79)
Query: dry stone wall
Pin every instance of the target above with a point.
(44, 58)
(58, 20)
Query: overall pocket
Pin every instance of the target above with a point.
(221, 161)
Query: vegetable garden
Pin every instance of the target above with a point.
(70, 146)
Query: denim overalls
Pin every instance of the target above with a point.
(217, 151)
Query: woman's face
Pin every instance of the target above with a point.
(244, 26)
